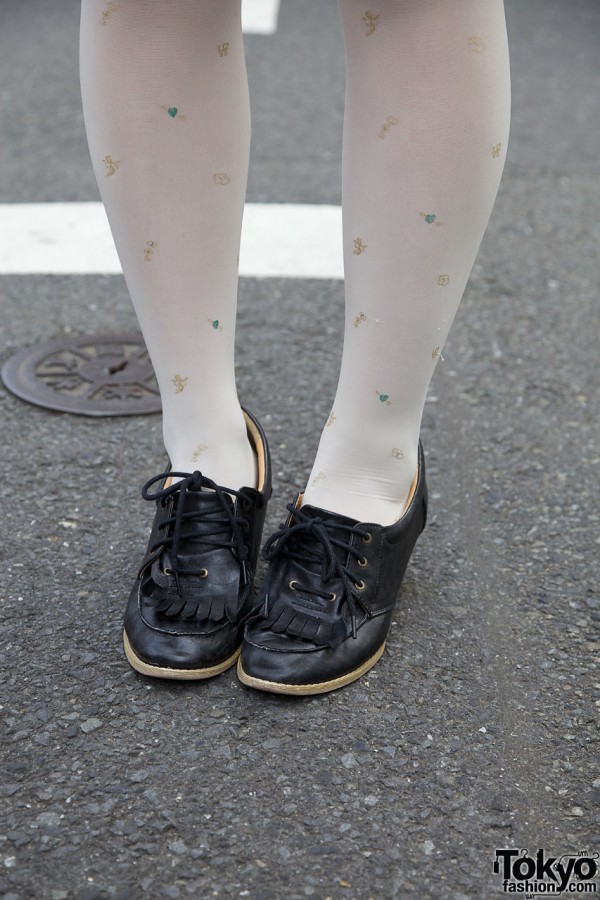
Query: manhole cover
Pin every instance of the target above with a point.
(107, 375)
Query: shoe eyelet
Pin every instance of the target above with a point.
(292, 585)
(367, 538)
(168, 571)
(359, 585)
(332, 597)
(203, 573)
(363, 563)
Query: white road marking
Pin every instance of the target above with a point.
(291, 240)
(279, 240)
(260, 16)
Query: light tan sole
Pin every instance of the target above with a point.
(321, 687)
(180, 674)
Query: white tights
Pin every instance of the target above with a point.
(425, 135)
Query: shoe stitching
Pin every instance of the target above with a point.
(340, 680)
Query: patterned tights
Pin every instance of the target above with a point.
(425, 134)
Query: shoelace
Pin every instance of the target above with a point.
(309, 540)
(233, 527)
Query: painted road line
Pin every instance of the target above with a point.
(279, 240)
(260, 16)
(291, 240)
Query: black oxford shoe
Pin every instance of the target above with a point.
(327, 604)
(186, 612)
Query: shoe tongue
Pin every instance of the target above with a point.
(204, 499)
(331, 518)
(211, 514)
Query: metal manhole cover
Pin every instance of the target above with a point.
(98, 375)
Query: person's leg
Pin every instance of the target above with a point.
(425, 137)
(426, 127)
(167, 116)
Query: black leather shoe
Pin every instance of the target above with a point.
(327, 604)
(186, 613)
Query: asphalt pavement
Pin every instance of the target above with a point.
(475, 732)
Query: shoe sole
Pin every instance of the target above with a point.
(321, 687)
(181, 674)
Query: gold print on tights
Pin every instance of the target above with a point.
(443, 280)
(387, 127)
(384, 398)
(397, 454)
(371, 22)
(221, 178)
(476, 44)
(111, 165)
(319, 477)
(331, 419)
(496, 150)
(359, 246)
(360, 318)
(223, 49)
(179, 383)
(110, 9)
(150, 248)
(198, 451)
(435, 353)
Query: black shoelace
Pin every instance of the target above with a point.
(225, 531)
(310, 541)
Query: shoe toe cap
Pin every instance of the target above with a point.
(160, 643)
(275, 662)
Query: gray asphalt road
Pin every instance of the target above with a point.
(475, 731)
